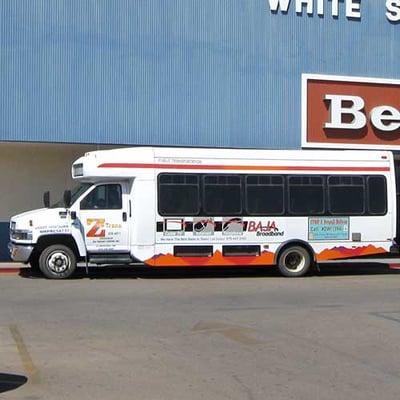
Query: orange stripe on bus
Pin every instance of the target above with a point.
(241, 167)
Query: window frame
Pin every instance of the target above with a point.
(159, 184)
(363, 177)
(203, 203)
(245, 194)
(102, 208)
(368, 195)
(324, 211)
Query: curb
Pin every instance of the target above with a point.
(10, 268)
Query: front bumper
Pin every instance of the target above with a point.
(20, 253)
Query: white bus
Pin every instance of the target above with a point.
(191, 207)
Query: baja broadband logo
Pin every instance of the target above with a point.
(96, 229)
(262, 228)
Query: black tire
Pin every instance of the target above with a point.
(294, 261)
(57, 262)
(34, 263)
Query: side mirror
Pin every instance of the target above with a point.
(46, 199)
(67, 199)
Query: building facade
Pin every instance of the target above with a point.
(79, 75)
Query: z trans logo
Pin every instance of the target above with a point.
(261, 229)
(96, 229)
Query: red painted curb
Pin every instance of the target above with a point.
(10, 270)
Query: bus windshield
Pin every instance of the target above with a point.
(75, 194)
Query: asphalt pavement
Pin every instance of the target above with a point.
(201, 334)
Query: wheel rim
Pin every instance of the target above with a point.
(58, 262)
(294, 261)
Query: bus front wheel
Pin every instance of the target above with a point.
(294, 261)
(57, 262)
(34, 263)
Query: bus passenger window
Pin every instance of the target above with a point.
(377, 198)
(178, 194)
(222, 195)
(306, 195)
(346, 195)
(265, 195)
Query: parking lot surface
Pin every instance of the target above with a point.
(201, 335)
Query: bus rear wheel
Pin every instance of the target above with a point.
(294, 261)
(57, 262)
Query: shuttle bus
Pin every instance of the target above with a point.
(199, 207)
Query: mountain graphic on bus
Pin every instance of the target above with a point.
(345, 252)
(265, 258)
(217, 259)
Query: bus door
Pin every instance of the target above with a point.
(397, 174)
(104, 215)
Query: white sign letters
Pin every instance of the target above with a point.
(351, 8)
(384, 118)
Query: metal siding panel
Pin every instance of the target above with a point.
(182, 72)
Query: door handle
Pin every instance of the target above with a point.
(124, 216)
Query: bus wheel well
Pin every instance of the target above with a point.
(291, 243)
(49, 240)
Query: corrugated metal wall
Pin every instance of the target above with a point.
(179, 72)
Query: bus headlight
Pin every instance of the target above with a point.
(20, 234)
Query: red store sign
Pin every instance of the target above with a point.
(348, 112)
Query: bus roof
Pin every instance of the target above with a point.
(127, 162)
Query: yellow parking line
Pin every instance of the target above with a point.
(26, 359)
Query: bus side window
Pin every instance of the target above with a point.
(377, 197)
(265, 195)
(222, 194)
(346, 195)
(178, 194)
(306, 195)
